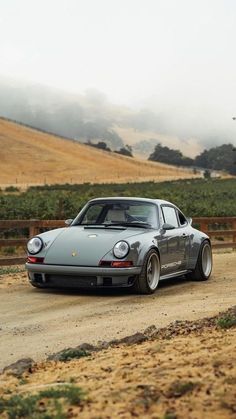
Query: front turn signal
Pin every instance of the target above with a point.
(121, 263)
(34, 259)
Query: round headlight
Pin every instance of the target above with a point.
(121, 249)
(35, 245)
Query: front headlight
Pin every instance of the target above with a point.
(121, 249)
(35, 245)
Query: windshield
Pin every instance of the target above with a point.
(120, 213)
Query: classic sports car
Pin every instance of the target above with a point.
(120, 242)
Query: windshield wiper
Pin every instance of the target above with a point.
(122, 224)
(89, 225)
(129, 224)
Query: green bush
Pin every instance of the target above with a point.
(227, 321)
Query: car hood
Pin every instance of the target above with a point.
(82, 246)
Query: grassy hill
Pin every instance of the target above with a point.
(31, 157)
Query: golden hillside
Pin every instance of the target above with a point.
(30, 157)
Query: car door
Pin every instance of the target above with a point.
(173, 242)
(184, 239)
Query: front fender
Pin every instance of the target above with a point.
(142, 248)
(138, 249)
(48, 238)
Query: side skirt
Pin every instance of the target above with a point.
(173, 274)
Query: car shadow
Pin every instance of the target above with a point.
(109, 292)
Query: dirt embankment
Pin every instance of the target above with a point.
(187, 370)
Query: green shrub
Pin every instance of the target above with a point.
(69, 354)
(179, 388)
(12, 189)
(29, 406)
(9, 250)
(11, 270)
(227, 321)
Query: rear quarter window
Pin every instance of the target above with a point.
(170, 217)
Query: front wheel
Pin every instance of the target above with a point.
(148, 279)
(203, 266)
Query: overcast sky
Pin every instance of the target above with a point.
(177, 55)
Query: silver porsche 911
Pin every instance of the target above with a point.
(120, 242)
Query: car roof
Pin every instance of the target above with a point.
(132, 198)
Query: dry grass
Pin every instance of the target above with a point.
(31, 157)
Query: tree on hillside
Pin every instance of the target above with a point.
(165, 154)
(101, 144)
(126, 151)
(218, 158)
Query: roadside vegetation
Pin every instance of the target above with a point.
(45, 404)
(196, 198)
(7, 270)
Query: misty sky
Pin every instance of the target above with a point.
(174, 56)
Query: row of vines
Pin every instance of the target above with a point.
(196, 198)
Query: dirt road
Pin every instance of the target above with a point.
(36, 322)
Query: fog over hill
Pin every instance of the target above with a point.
(90, 117)
(83, 118)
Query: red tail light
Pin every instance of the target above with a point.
(34, 259)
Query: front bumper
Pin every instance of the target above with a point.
(51, 276)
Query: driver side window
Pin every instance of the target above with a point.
(169, 215)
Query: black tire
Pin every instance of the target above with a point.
(203, 266)
(147, 281)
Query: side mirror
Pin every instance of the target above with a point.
(69, 221)
(167, 226)
(189, 219)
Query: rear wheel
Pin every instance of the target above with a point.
(148, 279)
(203, 266)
